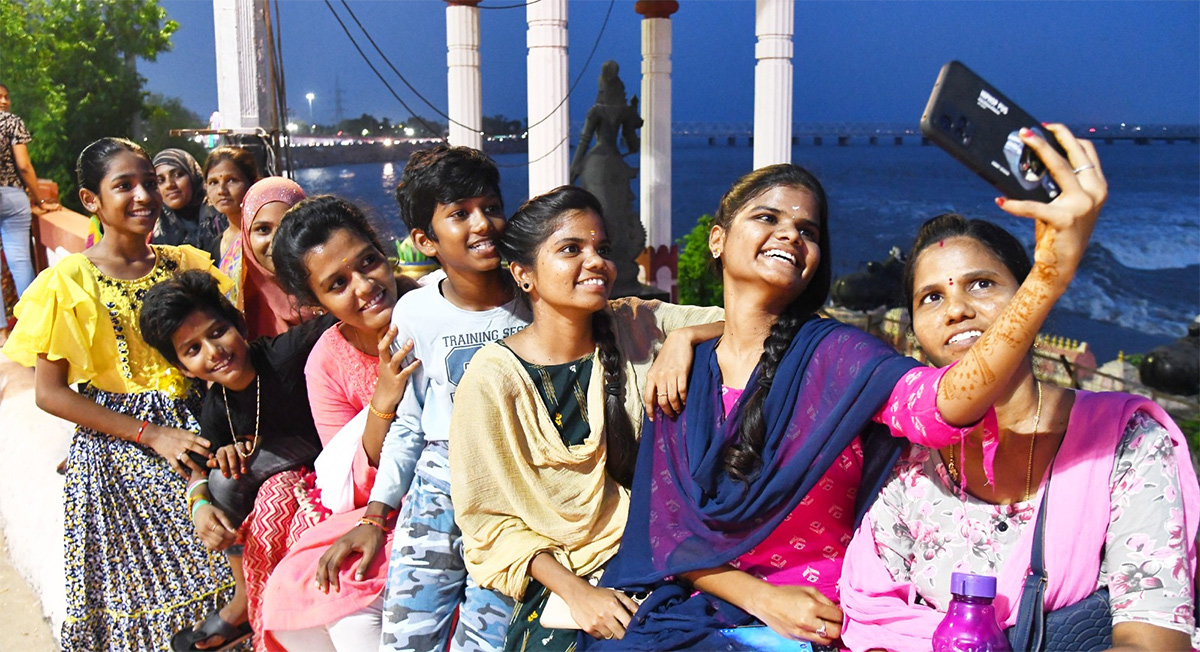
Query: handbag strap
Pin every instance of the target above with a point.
(1031, 614)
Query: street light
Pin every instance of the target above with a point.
(310, 97)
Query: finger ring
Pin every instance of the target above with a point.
(180, 456)
(663, 394)
(608, 638)
(1081, 168)
(820, 631)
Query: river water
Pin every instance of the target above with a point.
(1138, 287)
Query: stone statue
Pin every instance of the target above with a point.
(602, 171)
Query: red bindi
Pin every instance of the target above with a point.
(941, 243)
(951, 281)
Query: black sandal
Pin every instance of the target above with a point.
(214, 625)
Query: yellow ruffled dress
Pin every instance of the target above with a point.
(135, 571)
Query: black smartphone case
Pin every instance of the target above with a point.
(978, 125)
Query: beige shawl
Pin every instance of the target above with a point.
(517, 489)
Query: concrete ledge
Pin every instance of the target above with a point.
(32, 443)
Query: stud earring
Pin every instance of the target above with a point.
(716, 255)
(525, 286)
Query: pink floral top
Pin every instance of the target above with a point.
(808, 546)
(925, 529)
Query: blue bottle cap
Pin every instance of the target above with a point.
(975, 586)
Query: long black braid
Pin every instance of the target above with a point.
(743, 456)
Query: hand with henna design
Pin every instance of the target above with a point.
(1063, 226)
(1062, 230)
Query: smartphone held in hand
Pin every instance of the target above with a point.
(980, 126)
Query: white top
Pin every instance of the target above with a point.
(445, 337)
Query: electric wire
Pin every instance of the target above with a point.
(517, 6)
(567, 96)
(380, 75)
(551, 114)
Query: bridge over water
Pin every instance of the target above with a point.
(845, 133)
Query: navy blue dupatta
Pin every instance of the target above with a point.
(688, 514)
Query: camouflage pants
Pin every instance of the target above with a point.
(427, 578)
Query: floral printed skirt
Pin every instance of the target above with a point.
(135, 571)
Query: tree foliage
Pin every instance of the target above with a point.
(162, 114)
(70, 69)
(697, 281)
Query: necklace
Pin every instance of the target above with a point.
(1037, 422)
(229, 419)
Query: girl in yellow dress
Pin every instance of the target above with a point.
(135, 573)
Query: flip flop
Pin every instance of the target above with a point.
(213, 625)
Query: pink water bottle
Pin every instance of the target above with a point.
(970, 623)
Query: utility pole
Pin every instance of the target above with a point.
(337, 102)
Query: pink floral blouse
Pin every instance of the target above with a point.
(925, 528)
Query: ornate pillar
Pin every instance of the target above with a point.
(465, 98)
(242, 91)
(655, 172)
(774, 26)
(549, 126)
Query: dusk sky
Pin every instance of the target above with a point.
(1079, 62)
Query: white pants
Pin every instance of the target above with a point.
(359, 631)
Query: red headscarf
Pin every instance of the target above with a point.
(268, 309)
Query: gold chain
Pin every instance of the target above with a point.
(228, 419)
(1037, 422)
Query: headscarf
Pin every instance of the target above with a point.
(693, 515)
(269, 310)
(183, 226)
(178, 158)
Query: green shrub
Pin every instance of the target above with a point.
(698, 284)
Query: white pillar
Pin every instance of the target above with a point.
(549, 148)
(243, 97)
(462, 71)
(774, 25)
(655, 171)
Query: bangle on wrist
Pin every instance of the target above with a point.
(141, 430)
(196, 485)
(386, 416)
(196, 507)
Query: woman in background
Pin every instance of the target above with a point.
(268, 308)
(19, 202)
(186, 218)
(228, 174)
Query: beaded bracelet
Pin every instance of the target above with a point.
(386, 416)
(366, 521)
(199, 503)
(138, 439)
(192, 500)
